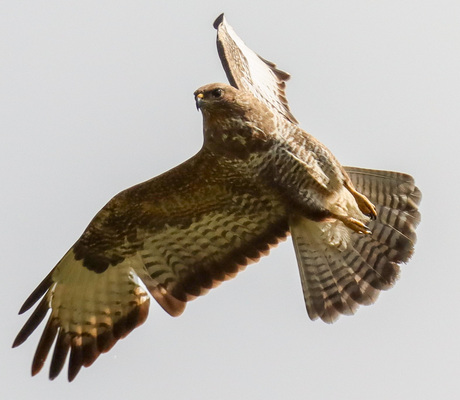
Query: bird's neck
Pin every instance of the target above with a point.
(233, 137)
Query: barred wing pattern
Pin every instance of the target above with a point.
(184, 232)
(338, 276)
(90, 311)
(179, 236)
(248, 71)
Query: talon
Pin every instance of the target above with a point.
(367, 208)
(354, 224)
(364, 204)
(357, 226)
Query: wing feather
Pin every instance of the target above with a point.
(248, 71)
(179, 236)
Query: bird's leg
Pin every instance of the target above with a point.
(364, 204)
(353, 223)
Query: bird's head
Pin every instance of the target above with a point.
(216, 98)
(234, 121)
(225, 107)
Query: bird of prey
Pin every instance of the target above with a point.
(257, 178)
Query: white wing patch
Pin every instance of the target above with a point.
(246, 70)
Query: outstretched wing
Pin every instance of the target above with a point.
(248, 71)
(181, 234)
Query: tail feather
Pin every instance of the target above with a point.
(339, 275)
(387, 188)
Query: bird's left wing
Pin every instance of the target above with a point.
(248, 71)
(181, 233)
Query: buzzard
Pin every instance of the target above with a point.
(257, 178)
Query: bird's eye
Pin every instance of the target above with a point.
(217, 93)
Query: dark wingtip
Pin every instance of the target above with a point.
(34, 320)
(218, 21)
(75, 362)
(37, 293)
(61, 349)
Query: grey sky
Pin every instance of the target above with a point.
(90, 94)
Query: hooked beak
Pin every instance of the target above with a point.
(199, 100)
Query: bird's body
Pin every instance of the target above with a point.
(257, 178)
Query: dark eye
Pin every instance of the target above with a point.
(217, 93)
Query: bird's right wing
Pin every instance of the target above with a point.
(181, 233)
(248, 71)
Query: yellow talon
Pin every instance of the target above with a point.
(354, 224)
(364, 204)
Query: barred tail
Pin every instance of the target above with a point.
(339, 275)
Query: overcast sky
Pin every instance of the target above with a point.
(97, 96)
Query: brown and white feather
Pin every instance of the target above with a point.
(180, 237)
(341, 269)
(257, 177)
(246, 70)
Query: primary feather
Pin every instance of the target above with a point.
(257, 177)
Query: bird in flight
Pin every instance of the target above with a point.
(257, 178)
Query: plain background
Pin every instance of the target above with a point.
(97, 96)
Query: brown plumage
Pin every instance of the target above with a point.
(257, 177)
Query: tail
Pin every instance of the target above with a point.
(341, 269)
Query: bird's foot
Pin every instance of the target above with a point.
(354, 224)
(364, 204)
